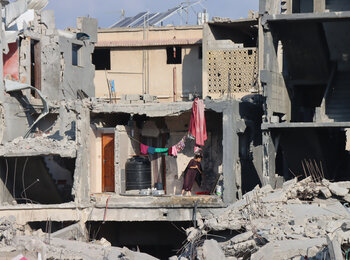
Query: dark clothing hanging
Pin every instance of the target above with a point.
(190, 174)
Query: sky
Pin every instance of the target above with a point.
(109, 11)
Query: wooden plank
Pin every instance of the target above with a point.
(108, 183)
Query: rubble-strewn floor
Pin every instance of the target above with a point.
(303, 220)
(15, 241)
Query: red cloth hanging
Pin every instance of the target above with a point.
(198, 128)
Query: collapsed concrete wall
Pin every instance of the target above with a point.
(58, 63)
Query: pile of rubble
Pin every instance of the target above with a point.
(303, 220)
(19, 242)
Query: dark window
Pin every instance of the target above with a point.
(200, 52)
(101, 58)
(173, 55)
(76, 50)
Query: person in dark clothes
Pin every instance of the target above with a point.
(193, 167)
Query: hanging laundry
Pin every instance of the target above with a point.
(181, 145)
(143, 148)
(173, 151)
(198, 127)
(161, 150)
(197, 149)
(151, 150)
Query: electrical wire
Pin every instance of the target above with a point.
(14, 179)
(36, 181)
(23, 171)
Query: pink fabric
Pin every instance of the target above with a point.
(173, 151)
(198, 128)
(197, 149)
(144, 148)
(181, 144)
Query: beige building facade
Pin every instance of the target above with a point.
(165, 62)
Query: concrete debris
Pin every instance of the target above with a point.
(334, 248)
(337, 190)
(7, 231)
(73, 232)
(15, 240)
(40, 145)
(14, 10)
(303, 218)
(210, 250)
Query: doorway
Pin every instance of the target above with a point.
(108, 183)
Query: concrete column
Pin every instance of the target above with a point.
(319, 6)
(81, 185)
(269, 157)
(206, 32)
(286, 6)
(269, 6)
(230, 153)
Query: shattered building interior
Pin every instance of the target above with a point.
(306, 106)
(79, 105)
(59, 140)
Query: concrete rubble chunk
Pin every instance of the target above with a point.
(337, 190)
(334, 248)
(14, 10)
(344, 184)
(326, 192)
(278, 222)
(72, 232)
(288, 249)
(346, 225)
(242, 237)
(211, 250)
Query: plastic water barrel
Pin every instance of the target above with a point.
(138, 173)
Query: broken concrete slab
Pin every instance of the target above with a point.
(288, 249)
(210, 250)
(326, 192)
(337, 190)
(334, 248)
(14, 10)
(72, 232)
(36, 146)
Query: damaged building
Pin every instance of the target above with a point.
(304, 74)
(81, 108)
(66, 143)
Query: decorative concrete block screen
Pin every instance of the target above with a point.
(232, 70)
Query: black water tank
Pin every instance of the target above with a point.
(138, 173)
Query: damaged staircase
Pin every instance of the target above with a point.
(338, 100)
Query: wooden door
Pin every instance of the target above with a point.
(108, 163)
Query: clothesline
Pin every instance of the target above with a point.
(190, 137)
(196, 131)
(173, 150)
